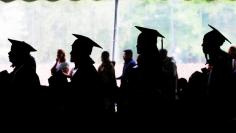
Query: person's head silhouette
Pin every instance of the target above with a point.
(212, 42)
(20, 51)
(214, 39)
(128, 55)
(82, 48)
(105, 57)
(147, 40)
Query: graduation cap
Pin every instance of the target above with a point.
(215, 36)
(215, 31)
(85, 44)
(21, 46)
(90, 42)
(151, 32)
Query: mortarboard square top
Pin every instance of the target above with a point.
(215, 37)
(84, 39)
(84, 44)
(149, 36)
(21, 46)
(150, 32)
(219, 34)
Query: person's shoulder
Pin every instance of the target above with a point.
(66, 63)
(224, 56)
(132, 63)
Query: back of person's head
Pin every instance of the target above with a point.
(61, 55)
(232, 51)
(128, 52)
(163, 53)
(31, 62)
(105, 56)
(182, 82)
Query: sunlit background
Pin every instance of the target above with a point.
(48, 26)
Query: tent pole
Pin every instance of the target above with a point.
(115, 30)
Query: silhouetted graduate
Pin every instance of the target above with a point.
(19, 50)
(23, 82)
(85, 97)
(24, 75)
(212, 40)
(220, 92)
(145, 82)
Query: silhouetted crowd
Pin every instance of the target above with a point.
(150, 88)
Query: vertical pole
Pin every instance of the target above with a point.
(115, 29)
(172, 25)
(162, 43)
